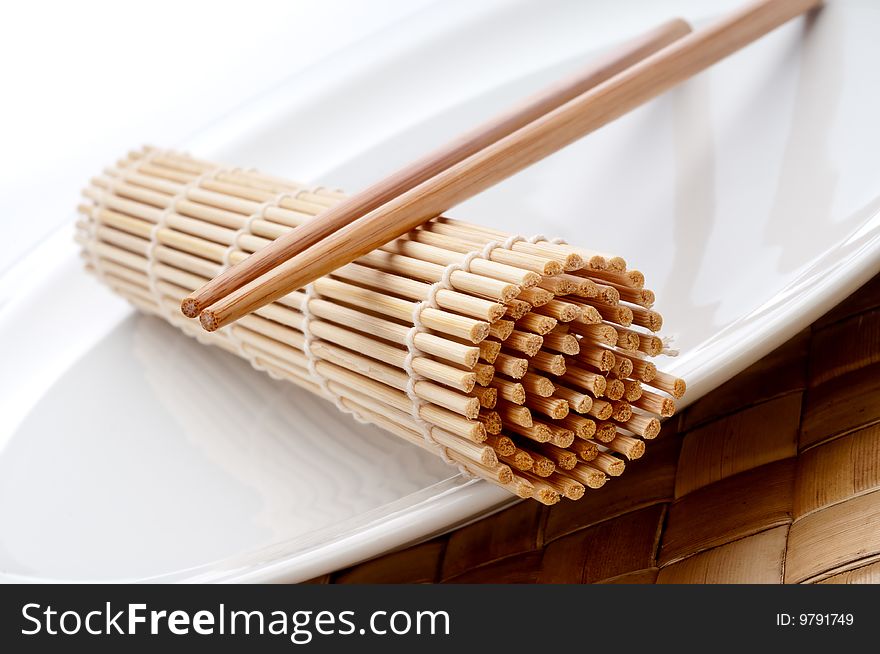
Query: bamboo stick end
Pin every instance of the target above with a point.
(596, 480)
(589, 451)
(479, 332)
(505, 474)
(679, 387)
(524, 488)
(637, 451)
(605, 431)
(531, 279)
(573, 262)
(590, 315)
(614, 389)
(544, 387)
(597, 262)
(488, 457)
(564, 438)
(547, 496)
(617, 264)
(574, 490)
(622, 411)
(654, 321)
(544, 467)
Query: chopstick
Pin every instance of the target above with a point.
(499, 160)
(423, 169)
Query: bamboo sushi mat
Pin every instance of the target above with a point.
(772, 478)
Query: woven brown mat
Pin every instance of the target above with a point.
(772, 478)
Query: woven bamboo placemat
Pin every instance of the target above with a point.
(772, 478)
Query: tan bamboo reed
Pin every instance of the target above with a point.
(487, 397)
(537, 432)
(542, 466)
(537, 297)
(513, 396)
(589, 315)
(553, 364)
(581, 427)
(562, 458)
(596, 333)
(605, 431)
(537, 385)
(560, 311)
(614, 388)
(588, 475)
(536, 323)
(514, 366)
(584, 449)
(512, 414)
(565, 486)
(560, 436)
(489, 351)
(483, 373)
(622, 368)
(609, 464)
(646, 318)
(629, 278)
(502, 445)
(631, 448)
(562, 343)
(633, 392)
(605, 294)
(521, 487)
(509, 390)
(648, 427)
(627, 339)
(519, 459)
(543, 491)
(516, 309)
(577, 401)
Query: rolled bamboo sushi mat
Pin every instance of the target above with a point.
(772, 478)
(522, 361)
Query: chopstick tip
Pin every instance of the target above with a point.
(189, 307)
(208, 320)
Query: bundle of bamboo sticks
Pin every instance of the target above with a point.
(524, 362)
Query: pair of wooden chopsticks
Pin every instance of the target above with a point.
(639, 72)
(346, 212)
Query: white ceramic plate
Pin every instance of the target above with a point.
(749, 196)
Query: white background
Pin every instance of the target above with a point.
(83, 82)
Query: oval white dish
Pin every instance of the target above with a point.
(748, 196)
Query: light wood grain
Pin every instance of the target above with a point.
(834, 539)
(507, 156)
(756, 559)
(839, 470)
(744, 440)
(739, 506)
(376, 195)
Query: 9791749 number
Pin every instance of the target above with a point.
(815, 619)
